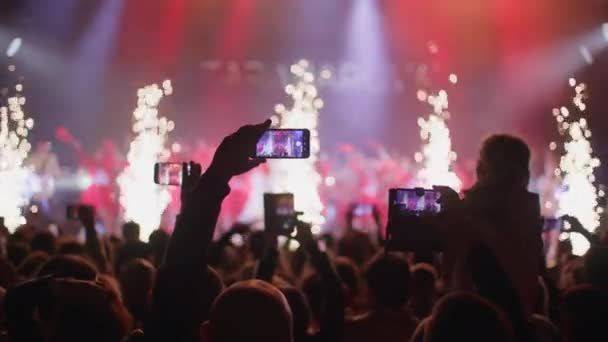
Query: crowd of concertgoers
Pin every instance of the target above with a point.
(488, 283)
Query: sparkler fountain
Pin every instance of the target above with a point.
(579, 195)
(301, 177)
(436, 156)
(143, 201)
(14, 149)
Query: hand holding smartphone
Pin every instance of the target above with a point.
(273, 144)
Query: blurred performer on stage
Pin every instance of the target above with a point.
(45, 170)
(103, 168)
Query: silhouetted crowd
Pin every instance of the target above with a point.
(486, 282)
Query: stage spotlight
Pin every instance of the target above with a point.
(605, 31)
(14, 47)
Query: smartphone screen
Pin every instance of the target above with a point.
(415, 202)
(279, 212)
(284, 143)
(168, 173)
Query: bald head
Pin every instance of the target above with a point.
(250, 310)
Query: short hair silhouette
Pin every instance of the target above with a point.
(388, 278)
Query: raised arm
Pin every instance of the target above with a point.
(93, 244)
(180, 285)
(332, 312)
(577, 227)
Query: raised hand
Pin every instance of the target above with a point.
(86, 215)
(575, 224)
(233, 156)
(449, 198)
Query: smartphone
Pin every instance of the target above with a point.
(414, 202)
(279, 212)
(168, 173)
(411, 225)
(284, 143)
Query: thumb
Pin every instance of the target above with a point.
(261, 127)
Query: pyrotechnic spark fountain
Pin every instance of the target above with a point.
(300, 177)
(14, 148)
(579, 196)
(437, 155)
(142, 200)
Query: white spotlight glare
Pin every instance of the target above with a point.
(605, 31)
(13, 47)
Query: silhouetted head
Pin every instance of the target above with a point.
(137, 281)
(313, 289)
(45, 242)
(467, 317)
(70, 246)
(130, 231)
(423, 289)
(66, 310)
(213, 288)
(251, 310)
(596, 266)
(17, 251)
(158, 241)
(8, 274)
(504, 160)
(583, 313)
(351, 279)
(349, 274)
(69, 266)
(388, 279)
(30, 266)
(299, 309)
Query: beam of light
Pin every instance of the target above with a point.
(13, 47)
(579, 195)
(535, 75)
(14, 149)
(142, 200)
(300, 177)
(436, 157)
(93, 52)
(366, 55)
(605, 31)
